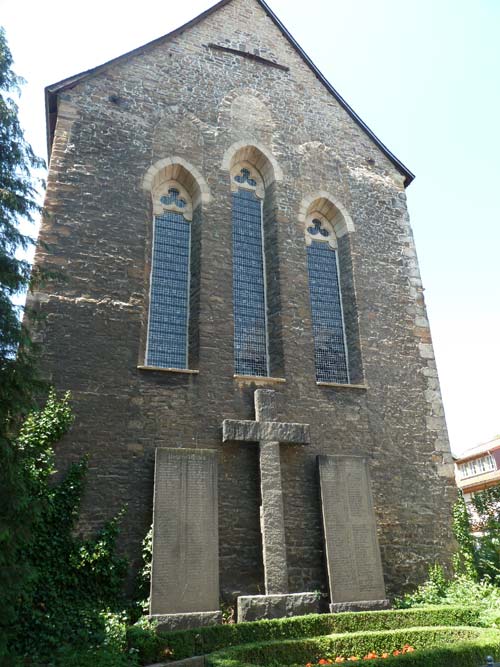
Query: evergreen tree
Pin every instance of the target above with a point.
(18, 375)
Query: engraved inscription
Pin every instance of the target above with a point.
(184, 575)
(353, 555)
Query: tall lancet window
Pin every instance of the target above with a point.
(168, 324)
(330, 351)
(249, 284)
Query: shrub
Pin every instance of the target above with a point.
(184, 644)
(457, 646)
(103, 656)
(483, 596)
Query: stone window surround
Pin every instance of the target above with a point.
(255, 174)
(331, 238)
(158, 210)
(165, 174)
(327, 208)
(264, 168)
(193, 187)
(163, 189)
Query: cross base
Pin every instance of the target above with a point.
(188, 621)
(258, 607)
(361, 605)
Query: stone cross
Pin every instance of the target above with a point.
(269, 433)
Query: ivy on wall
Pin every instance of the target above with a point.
(74, 583)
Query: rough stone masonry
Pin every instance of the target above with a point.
(233, 85)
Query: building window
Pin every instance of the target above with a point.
(249, 284)
(168, 323)
(477, 466)
(330, 350)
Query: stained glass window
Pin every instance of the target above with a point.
(326, 309)
(249, 299)
(169, 300)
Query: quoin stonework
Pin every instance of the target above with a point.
(240, 281)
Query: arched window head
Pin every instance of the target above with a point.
(323, 222)
(319, 229)
(244, 176)
(256, 156)
(171, 196)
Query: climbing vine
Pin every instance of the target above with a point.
(73, 582)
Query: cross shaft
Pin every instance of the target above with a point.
(269, 434)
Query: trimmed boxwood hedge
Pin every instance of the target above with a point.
(457, 646)
(153, 646)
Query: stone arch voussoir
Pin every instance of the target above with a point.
(331, 208)
(256, 154)
(178, 169)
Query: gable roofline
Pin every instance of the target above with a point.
(52, 90)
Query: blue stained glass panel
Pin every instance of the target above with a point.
(168, 308)
(326, 309)
(250, 325)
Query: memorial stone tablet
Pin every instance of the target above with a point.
(352, 551)
(185, 564)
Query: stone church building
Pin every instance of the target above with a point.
(225, 223)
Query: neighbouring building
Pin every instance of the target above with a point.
(225, 223)
(478, 468)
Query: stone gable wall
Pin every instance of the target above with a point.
(184, 99)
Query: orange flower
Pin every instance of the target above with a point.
(384, 655)
(324, 662)
(339, 658)
(353, 658)
(309, 664)
(396, 652)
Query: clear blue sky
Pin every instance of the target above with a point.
(423, 74)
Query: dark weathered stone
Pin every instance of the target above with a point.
(362, 605)
(352, 551)
(167, 622)
(250, 431)
(184, 99)
(257, 607)
(185, 563)
(267, 434)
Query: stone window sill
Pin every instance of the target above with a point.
(185, 371)
(342, 386)
(259, 378)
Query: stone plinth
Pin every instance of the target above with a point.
(257, 607)
(167, 622)
(362, 605)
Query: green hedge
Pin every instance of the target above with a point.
(463, 646)
(154, 646)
